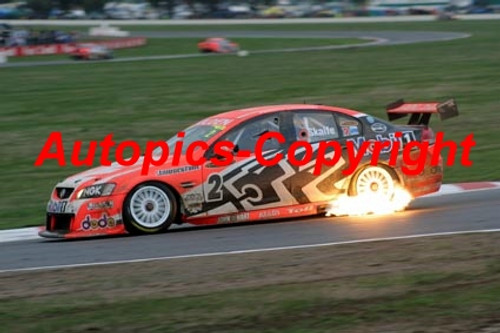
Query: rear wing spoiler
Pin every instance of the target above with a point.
(421, 112)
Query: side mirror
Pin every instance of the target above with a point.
(211, 154)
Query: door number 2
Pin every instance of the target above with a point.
(214, 188)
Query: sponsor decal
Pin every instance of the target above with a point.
(193, 198)
(323, 131)
(103, 222)
(349, 127)
(300, 210)
(177, 170)
(378, 128)
(100, 205)
(269, 213)
(216, 129)
(348, 123)
(353, 130)
(216, 121)
(350, 130)
(92, 191)
(391, 138)
(370, 119)
(56, 206)
(240, 217)
(193, 202)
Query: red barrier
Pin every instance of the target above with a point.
(31, 50)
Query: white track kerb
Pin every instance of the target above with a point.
(24, 234)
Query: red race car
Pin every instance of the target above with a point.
(218, 45)
(120, 199)
(91, 52)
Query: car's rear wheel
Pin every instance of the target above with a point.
(149, 208)
(374, 180)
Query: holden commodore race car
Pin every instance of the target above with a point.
(218, 45)
(193, 187)
(91, 52)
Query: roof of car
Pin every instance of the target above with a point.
(243, 114)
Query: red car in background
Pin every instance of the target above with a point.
(218, 45)
(91, 52)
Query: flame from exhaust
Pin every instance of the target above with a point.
(369, 203)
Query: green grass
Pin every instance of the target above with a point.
(154, 99)
(287, 309)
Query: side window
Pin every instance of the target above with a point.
(314, 126)
(246, 136)
(349, 125)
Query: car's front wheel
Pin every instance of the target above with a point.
(149, 208)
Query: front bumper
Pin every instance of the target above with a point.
(84, 218)
(50, 234)
(119, 230)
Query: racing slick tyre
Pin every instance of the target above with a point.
(149, 208)
(374, 180)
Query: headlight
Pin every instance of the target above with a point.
(95, 191)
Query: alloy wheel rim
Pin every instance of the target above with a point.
(150, 206)
(375, 181)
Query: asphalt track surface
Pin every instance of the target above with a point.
(376, 38)
(466, 211)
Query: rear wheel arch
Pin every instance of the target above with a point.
(394, 173)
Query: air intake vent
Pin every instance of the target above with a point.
(64, 192)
